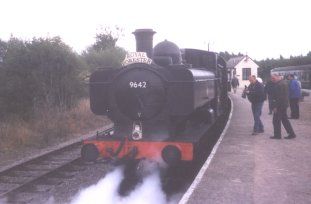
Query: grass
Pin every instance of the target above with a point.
(49, 127)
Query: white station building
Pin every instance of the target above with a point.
(242, 67)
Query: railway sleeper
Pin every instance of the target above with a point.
(51, 181)
(55, 163)
(6, 187)
(43, 188)
(14, 180)
(43, 167)
(29, 173)
(63, 175)
(20, 198)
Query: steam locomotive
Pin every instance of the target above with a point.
(161, 101)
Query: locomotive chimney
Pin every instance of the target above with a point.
(144, 41)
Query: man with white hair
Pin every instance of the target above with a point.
(280, 103)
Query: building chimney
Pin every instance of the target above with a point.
(144, 41)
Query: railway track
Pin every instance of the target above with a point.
(20, 183)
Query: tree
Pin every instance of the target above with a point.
(57, 72)
(43, 72)
(3, 48)
(106, 39)
(106, 58)
(15, 76)
(281, 57)
(226, 55)
(104, 52)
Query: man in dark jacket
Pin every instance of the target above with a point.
(269, 91)
(256, 95)
(280, 104)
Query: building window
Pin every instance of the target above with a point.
(246, 72)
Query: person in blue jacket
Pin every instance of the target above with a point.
(256, 95)
(294, 96)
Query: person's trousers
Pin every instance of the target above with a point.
(257, 109)
(281, 116)
(270, 101)
(294, 107)
(234, 89)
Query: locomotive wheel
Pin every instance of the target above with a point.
(89, 152)
(171, 154)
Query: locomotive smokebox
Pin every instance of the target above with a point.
(144, 41)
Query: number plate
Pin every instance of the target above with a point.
(138, 85)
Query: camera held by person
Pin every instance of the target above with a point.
(245, 92)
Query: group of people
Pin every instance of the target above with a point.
(294, 92)
(281, 94)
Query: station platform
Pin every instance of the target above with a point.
(245, 168)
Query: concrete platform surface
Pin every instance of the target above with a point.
(257, 169)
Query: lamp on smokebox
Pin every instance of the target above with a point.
(137, 132)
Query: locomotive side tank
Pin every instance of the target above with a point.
(157, 100)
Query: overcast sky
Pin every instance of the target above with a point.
(260, 28)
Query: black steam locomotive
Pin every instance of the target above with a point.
(161, 101)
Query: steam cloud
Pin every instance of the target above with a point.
(106, 191)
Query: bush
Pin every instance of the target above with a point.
(49, 126)
(39, 73)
